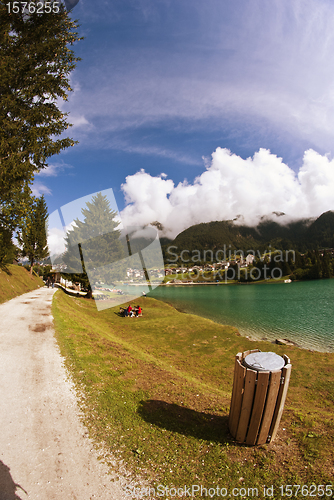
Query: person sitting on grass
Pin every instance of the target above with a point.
(139, 311)
(129, 310)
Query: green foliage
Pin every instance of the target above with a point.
(35, 63)
(8, 251)
(46, 271)
(33, 235)
(321, 231)
(12, 215)
(218, 235)
(14, 210)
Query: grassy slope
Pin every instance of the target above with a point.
(15, 280)
(158, 392)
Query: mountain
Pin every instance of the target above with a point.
(321, 232)
(302, 235)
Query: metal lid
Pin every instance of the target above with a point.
(264, 361)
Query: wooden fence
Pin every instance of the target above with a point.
(257, 403)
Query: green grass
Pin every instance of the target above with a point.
(157, 393)
(16, 280)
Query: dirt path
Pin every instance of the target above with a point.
(45, 453)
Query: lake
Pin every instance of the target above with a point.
(300, 311)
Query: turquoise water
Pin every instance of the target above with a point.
(302, 311)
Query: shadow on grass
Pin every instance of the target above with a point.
(175, 418)
(71, 293)
(4, 267)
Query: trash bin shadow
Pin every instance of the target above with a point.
(7, 486)
(176, 418)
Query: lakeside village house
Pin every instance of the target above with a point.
(243, 263)
(135, 274)
(139, 273)
(132, 274)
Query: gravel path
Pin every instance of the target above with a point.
(45, 453)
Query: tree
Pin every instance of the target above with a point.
(35, 63)
(286, 269)
(8, 251)
(326, 266)
(33, 236)
(14, 210)
(93, 243)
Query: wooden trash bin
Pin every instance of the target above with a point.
(259, 391)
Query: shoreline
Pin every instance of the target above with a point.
(226, 282)
(279, 341)
(278, 338)
(220, 283)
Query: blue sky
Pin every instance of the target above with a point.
(166, 87)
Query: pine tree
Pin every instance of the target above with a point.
(35, 63)
(12, 216)
(33, 235)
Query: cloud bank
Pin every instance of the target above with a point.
(229, 187)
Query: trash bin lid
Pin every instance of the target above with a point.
(261, 361)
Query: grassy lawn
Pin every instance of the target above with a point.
(16, 280)
(156, 393)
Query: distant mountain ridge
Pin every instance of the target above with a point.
(302, 235)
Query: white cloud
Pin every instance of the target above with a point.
(154, 151)
(53, 169)
(78, 120)
(56, 239)
(38, 189)
(232, 186)
(56, 243)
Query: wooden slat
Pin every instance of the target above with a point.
(274, 386)
(286, 371)
(259, 402)
(237, 394)
(237, 358)
(247, 405)
(244, 354)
